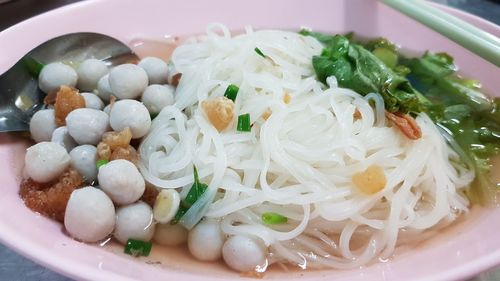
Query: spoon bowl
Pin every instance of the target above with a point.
(21, 97)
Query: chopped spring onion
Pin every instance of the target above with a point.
(34, 66)
(244, 123)
(196, 191)
(101, 162)
(180, 212)
(273, 218)
(259, 52)
(231, 92)
(137, 248)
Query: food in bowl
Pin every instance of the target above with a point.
(261, 148)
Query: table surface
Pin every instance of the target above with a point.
(16, 267)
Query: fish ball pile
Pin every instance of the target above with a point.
(91, 132)
(100, 113)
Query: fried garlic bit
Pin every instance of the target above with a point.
(118, 139)
(406, 124)
(149, 195)
(176, 78)
(357, 114)
(103, 151)
(129, 153)
(266, 114)
(287, 98)
(116, 145)
(50, 199)
(67, 100)
(219, 112)
(371, 180)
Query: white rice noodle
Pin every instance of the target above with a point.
(300, 161)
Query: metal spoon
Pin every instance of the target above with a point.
(19, 92)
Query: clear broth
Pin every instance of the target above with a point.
(179, 259)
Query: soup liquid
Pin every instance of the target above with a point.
(179, 259)
(161, 48)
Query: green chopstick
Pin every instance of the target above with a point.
(456, 21)
(468, 36)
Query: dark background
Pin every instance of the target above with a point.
(15, 267)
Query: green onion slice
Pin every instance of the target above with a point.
(244, 123)
(273, 218)
(34, 66)
(137, 248)
(101, 162)
(196, 191)
(259, 52)
(180, 213)
(231, 92)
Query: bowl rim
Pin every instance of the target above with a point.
(31, 250)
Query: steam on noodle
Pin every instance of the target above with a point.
(300, 161)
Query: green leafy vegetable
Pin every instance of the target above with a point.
(468, 119)
(231, 92)
(273, 218)
(243, 124)
(435, 74)
(101, 162)
(359, 69)
(259, 52)
(195, 192)
(388, 57)
(468, 116)
(380, 42)
(34, 66)
(385, 51)
(137, 248)
(326, 39)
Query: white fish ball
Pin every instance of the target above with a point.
(103, 88)
(205, 240)
(45, 161)
(128, 81)
(170, 235)
(87, 125)
(156, 69)
(132, 114)
(42, 125)
(93, 101)
(156, 97)
(134, 221)
(90, 215)
(107, 109)
(122, 181)
(89, 72)
(243, 253)
(62, 137)
(56, 74)
(83, 159)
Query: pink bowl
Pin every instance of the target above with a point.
(460, 252)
